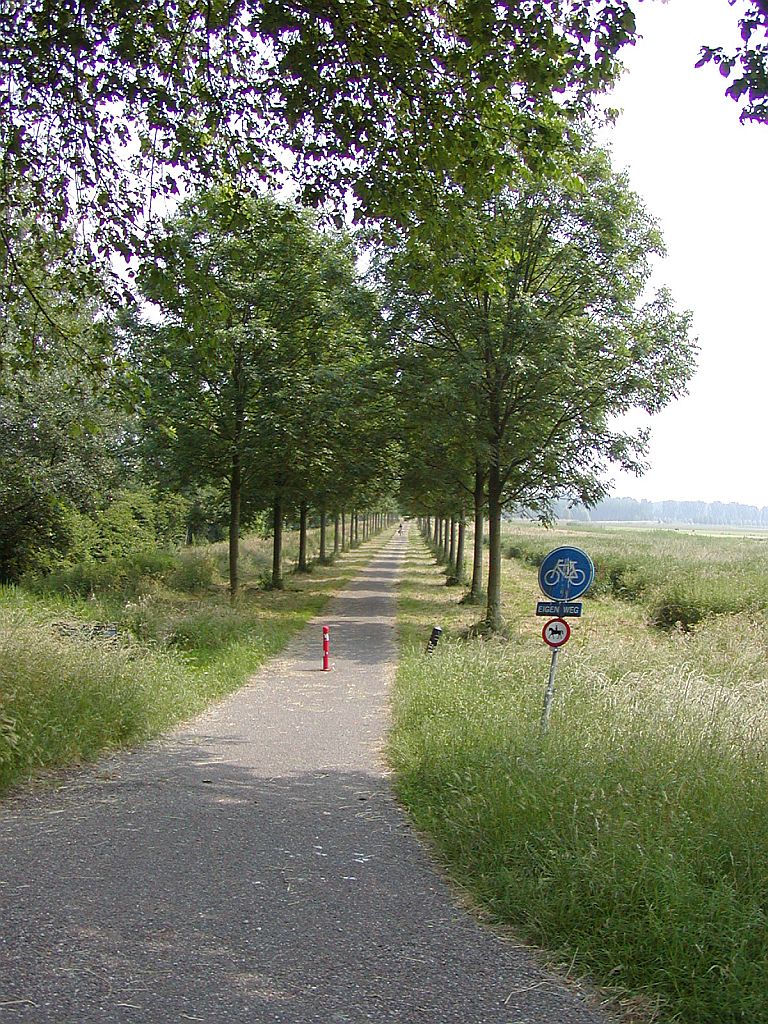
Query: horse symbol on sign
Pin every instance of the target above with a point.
(556, 632)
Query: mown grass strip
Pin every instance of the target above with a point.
(632, 842)
(68, 693)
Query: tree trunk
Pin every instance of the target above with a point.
(277, 542)
(302, 566)
(493, 615)
(343, 531)
(336, 537)
(236, 478)
(452, 547)
(459, 568)
(235, 490)
(323, 558)
(476, 588)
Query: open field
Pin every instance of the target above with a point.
(720, 530)
(679, 578)
(632, 841)
(154, 643)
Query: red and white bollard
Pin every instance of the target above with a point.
(326, 649)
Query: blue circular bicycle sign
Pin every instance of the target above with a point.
(566, 573)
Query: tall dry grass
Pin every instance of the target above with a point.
(632, 840)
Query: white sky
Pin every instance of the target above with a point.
(705, 177)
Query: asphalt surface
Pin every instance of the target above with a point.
(254, 866)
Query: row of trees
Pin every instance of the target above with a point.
(529, 335)
(481, 364)
(240, 361)
(633, 510)
(261, 371)
(250, 377)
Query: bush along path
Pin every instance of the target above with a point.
(254, 866)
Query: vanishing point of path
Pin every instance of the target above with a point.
(253, 867)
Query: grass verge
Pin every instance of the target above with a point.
(73, 685)
(631, 841)
(679, 578)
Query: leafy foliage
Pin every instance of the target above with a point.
(259, 369)
(106, 105)
(54, 457)
(747, 67)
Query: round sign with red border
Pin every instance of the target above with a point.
(556, 632)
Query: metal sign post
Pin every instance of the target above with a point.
(549, 693)
(565, 574)
(556, 633)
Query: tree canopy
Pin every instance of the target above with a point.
(512, 273)
(104, 105)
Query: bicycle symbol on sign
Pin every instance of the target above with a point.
(567, 571)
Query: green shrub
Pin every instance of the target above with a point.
(675, 613)
(128, 574)
(195, 571)
(210, 628)
(137, 519)
(34, 538)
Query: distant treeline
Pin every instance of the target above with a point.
(632, 510)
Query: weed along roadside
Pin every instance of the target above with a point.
(71, 689)
(631, 842)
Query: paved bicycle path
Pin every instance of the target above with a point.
(253, 867)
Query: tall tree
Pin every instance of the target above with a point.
(538, 307)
